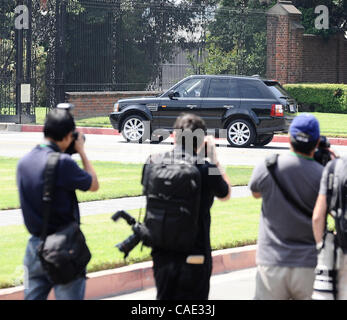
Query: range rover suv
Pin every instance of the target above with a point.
(250, 109)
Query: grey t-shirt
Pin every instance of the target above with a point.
(285, 234)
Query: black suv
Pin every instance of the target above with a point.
(251, 109)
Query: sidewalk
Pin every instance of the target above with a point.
(14, 217)
(110, 131)
(139, 276)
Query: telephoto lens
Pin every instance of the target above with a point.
(325, 284)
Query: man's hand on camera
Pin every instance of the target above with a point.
(79, 143)
(333, 155)
(211, 149)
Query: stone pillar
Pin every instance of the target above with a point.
(341, 63)
(284, 43)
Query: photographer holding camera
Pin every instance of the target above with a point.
(288, 185)
(60, 135)
(180, 188)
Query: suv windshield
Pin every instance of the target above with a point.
(277, 89)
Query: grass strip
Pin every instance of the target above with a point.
(116, 180)
(234, 223)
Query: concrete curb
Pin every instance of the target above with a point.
(140, 275)
(110, 131)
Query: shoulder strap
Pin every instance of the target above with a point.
(271, 163)
(333, 185)
(48, 189)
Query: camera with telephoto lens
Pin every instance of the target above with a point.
(323, 154)
(71, 149)
(140, 233)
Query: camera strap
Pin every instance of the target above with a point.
(271, 163)
(48, 190)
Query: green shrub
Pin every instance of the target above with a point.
(329, 98)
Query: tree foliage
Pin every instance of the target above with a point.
(236, 40)
(125, 42)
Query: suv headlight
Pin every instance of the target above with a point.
(116, 107)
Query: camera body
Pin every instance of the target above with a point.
(323, 154)
(71, 149)
(140, 233)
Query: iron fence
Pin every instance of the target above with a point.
(121, 45)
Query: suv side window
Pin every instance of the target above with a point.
(219, 88)
(253, 89)
(191, 88)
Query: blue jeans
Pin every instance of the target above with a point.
(38, 284)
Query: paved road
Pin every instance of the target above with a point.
(114, 148)
(236, 285)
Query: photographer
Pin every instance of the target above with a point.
(286, 254)
(185, 275)
(59, 130)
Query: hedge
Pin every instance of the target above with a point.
(324, 97)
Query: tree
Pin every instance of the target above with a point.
(124, 42)
(236, 40)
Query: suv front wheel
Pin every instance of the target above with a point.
(134, 129)
(240, 133)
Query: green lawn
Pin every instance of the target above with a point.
(331, 124)
(103, 122)
(234, 223)
(116, 180)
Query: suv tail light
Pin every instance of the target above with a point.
(277, 110)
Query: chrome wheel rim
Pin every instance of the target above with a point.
(239, 133)
(134, 129)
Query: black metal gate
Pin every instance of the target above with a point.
(16, 89)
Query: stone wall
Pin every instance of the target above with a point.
(95, 104)
(324, 60)
(293, 57)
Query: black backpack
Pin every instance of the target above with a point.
(172, 186)
(337, 199)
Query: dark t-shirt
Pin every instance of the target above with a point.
(70, 176)
(212, 185)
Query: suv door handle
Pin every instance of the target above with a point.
(228, 107)
(191, 106)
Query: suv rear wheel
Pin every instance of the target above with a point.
(240, 133)
(134, 129)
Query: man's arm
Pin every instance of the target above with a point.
(258, 174)
(87, 166)
(256, 195)
(319, 217)
(212, 154)
(226, 179)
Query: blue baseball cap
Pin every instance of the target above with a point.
(305, 128)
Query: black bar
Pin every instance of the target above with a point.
(19, 67)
